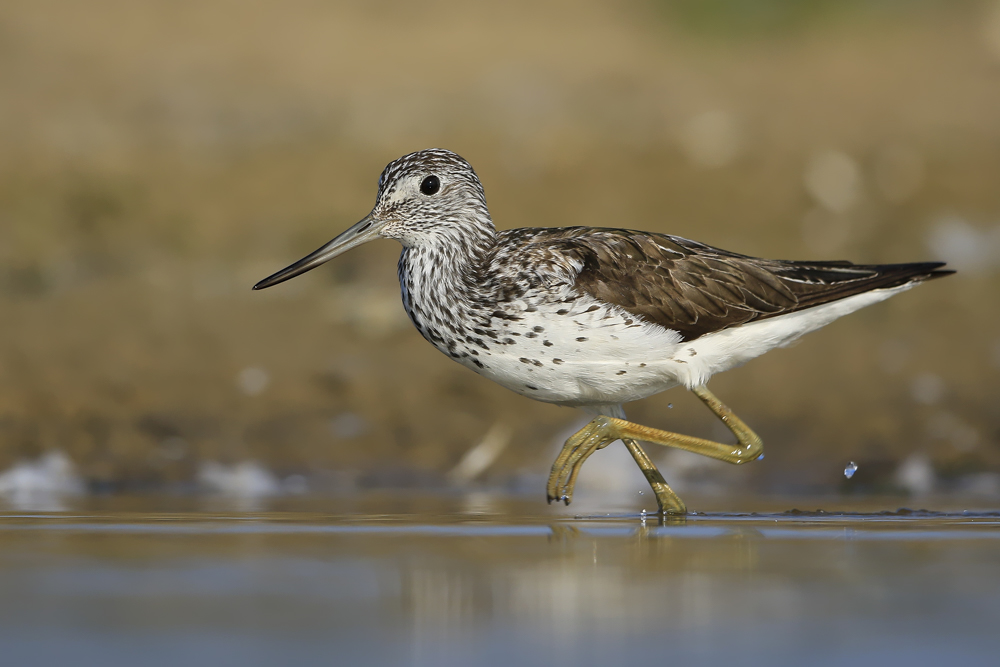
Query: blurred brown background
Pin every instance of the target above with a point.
(157, 158)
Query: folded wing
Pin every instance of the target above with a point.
(696, 289)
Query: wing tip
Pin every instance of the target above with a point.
(936, 272)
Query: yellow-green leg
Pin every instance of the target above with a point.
(602, 431)
(667, 501)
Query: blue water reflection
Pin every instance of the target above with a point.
(776, 589)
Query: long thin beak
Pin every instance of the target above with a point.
(362, 232)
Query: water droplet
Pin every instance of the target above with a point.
(851, 468)
(642, 515)
(761, 457)
(640, 493)
(670, 405)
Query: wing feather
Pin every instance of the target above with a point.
(696, 289)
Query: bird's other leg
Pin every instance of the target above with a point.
(597, 435)
(603, 430)
(667, 502)
(748, 445)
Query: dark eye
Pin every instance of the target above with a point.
(430, 185)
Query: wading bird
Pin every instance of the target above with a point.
(594, 317)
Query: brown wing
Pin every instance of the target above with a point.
(696, 289)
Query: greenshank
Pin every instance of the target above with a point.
(595, 317)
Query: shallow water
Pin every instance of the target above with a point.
(491, 580)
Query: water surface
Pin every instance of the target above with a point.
(493, 581)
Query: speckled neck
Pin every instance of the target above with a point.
(440, 277)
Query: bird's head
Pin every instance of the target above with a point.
(425, 198)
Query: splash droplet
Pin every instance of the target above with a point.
(851, 468)
(670, 405)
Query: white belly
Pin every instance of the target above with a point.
(582, 357)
